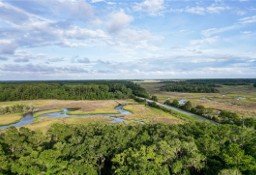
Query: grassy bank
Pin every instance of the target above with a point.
(36, 114)
(8, 119)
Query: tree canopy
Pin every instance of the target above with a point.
(196, 148)
(67, 90)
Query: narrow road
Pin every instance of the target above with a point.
(181, 111)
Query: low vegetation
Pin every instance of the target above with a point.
(18, 108)
(220, 116)
(196, 148)
(234, 95)
(7, 119)
(43, 124)
(172, 112)
(146, 114)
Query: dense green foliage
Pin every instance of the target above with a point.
(197, 148)
(254, 84)
(186, 86)
(202, 85)
(139, 100)
(19, 108)
(214, 82)
(70, 90)
(154, 98)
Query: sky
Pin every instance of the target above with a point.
(127, 39)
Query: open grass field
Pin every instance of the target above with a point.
(9, 118)
(240, 99)
(150, 115)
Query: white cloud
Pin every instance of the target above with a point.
(7, 46)
(79, 33)
(78, 59)
(150, 6)
(200, 10)
(248, 20)
(96, 1)
(204, 41)
(216, 9)
(195, 10)
(118, 21)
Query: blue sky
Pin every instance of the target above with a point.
(128, 39)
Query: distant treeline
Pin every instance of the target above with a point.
(70, 90)
(218, 81)
(185, 86)
(202, 85)
(194, 148)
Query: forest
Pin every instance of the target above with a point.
(195, 148)
(69, 90)
(219, 81)
(191, 87)
(203, 85)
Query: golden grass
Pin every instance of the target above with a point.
(7, 119)
(150, 115)
(43, 124)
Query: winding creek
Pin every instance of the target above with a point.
(116, 118)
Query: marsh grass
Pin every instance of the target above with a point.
(43, 124)
(8, 119)
(150, 115)
(226, 99)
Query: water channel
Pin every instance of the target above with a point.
(116, 118)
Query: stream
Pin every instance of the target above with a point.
(116, 118)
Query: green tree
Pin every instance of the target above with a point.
(187, 106)
(154, 98)
(175, 103)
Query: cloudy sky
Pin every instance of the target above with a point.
(127, 39)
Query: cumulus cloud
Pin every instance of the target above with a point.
(118, 21)
(150, 6)
(41, 38)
